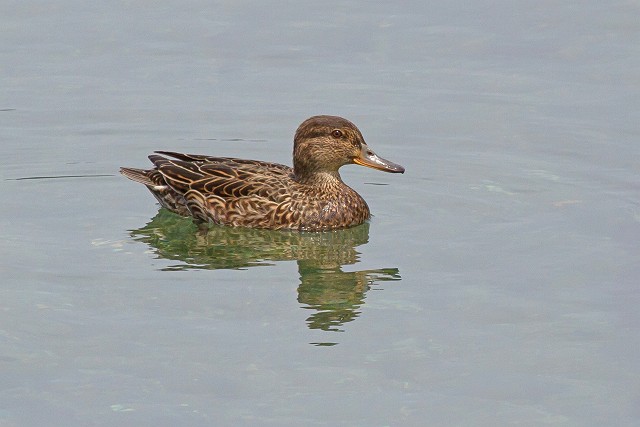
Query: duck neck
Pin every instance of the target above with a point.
(323, 179)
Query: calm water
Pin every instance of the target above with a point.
(497, 283)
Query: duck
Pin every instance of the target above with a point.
(310, 196)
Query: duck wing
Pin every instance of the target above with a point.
(223, 177)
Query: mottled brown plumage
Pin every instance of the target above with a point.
(250, 193)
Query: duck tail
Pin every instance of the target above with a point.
(137, 175)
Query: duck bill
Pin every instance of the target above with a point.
(371, 160)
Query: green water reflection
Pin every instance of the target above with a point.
(334, 296)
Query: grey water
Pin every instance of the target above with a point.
(496, 284)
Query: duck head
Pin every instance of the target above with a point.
(326, 143)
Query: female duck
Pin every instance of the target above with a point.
(250, 193)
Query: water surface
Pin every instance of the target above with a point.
(496, 284)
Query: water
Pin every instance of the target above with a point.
(495, 285)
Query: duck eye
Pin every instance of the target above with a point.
(336, 133)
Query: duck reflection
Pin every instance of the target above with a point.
(334, 296)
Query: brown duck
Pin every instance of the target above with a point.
(250, 193)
